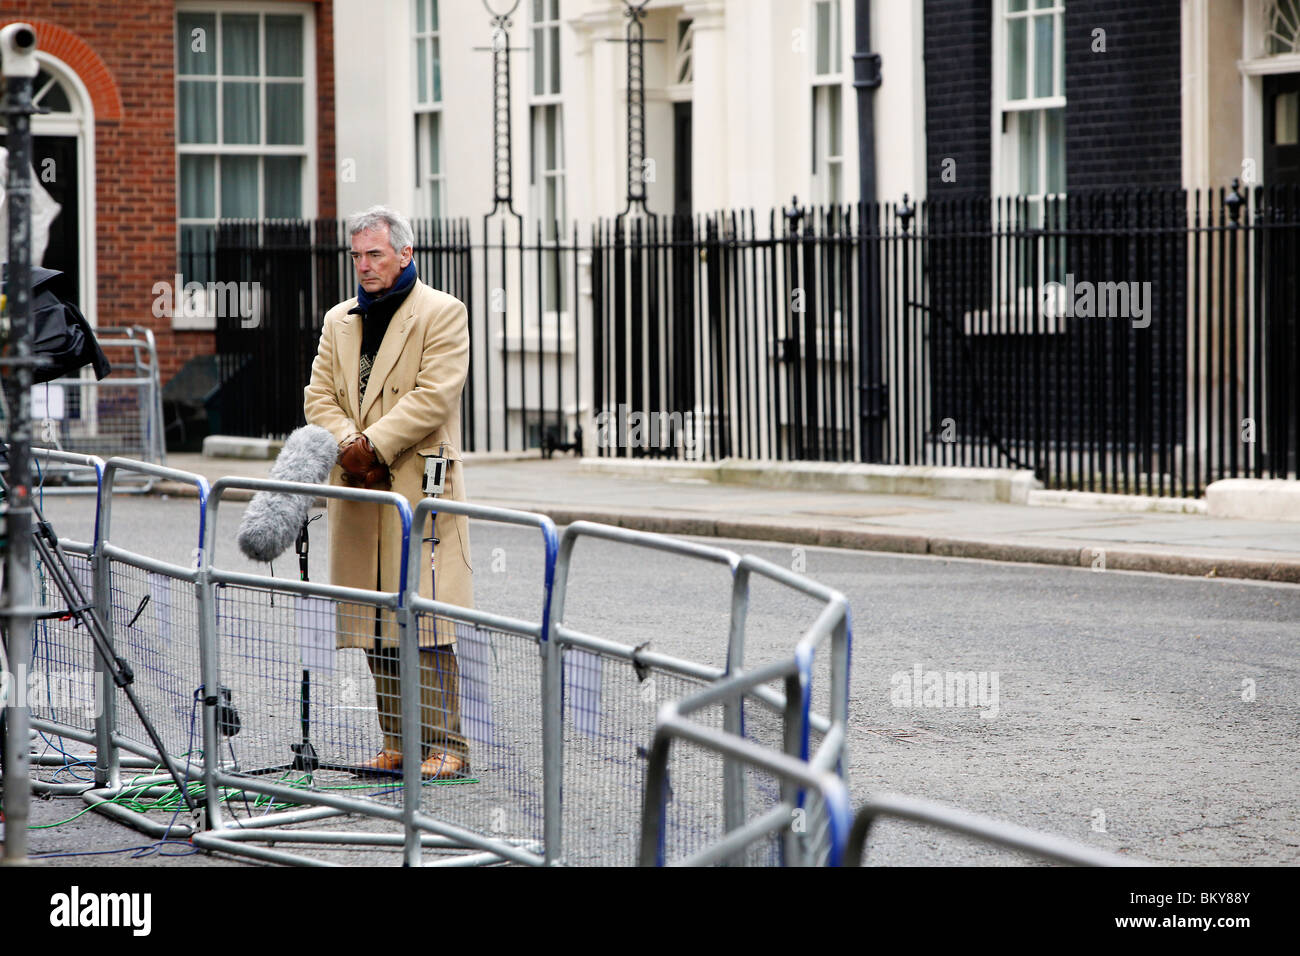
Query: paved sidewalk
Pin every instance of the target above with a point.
(1150, 541)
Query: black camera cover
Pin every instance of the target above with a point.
(61, 334)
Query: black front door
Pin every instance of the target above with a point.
(54, 164)
(1281, 425)
(682, 159)
(1281, 143)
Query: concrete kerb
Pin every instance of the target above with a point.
(1069, 555)
(1007, 485)
(796, 533)
(969, 484)
(1196, 565)
(1258, 499)
(235, 446)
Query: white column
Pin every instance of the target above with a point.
(596, 178)
(365, 175)
(711, 157)
(758, 130)
(897, 34)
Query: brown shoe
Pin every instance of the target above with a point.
(440, 766)
(388, 761)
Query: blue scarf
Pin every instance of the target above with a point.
(405, 279)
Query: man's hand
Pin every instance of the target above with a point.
(361, 466)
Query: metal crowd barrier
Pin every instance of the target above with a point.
(985, 829)
(505, 716)
(812, 817)
(64, 689)
(303, 727)
(806, 831)
(149, 611)
(119, 416)
(568, 764)
(258, 709)
(606, 743)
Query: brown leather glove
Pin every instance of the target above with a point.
(361, 465)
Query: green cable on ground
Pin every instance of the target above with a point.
(169, 801)
(118, 799)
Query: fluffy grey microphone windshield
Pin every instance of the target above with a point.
(272, 520)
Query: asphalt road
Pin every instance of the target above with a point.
(1146, 714)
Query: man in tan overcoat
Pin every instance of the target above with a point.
(386, 383)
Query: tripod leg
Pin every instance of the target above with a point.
(305, 758)
(51, 554)
(304, 715)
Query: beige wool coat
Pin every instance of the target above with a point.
(411, 405)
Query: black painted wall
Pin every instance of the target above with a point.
(958, 94)
(1102, 381)
(1123, 107)
(1123, 113)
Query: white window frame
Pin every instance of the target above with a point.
(822, 160)
(552, 42)
(1013, 307)
(1267, 12)
(1005, 157)
(683, 52)
(540, 107)
(430, 178)
(307, 150)
(539, 115)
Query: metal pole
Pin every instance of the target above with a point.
(18, 46)
(871, 387)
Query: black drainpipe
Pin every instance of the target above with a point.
(866, 77)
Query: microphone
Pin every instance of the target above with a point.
(271, 523)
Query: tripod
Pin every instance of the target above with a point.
(55, 559)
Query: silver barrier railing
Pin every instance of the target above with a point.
(277, 720)
(799, 779)
(64, 689)
(427, 819)
(984, 829)
(149, 611)
(604, 763)
(119, 416)
(503, 712)
(218, 655)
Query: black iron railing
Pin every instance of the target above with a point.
(1132, 341)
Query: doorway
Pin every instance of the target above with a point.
(1281, 118)
(54, 163)
(682, 159)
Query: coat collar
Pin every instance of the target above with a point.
(348, 357)
(389, 350)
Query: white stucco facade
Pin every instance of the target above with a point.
(750, 95)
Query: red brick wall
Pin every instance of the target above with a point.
(125, 55)
(325, 166)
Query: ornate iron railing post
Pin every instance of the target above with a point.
(635, 14)
(502, 141)
(636, 139)
(502, 195)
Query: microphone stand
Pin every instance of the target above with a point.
(305, 757)
(304, 754)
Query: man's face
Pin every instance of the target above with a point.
(377, 264)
